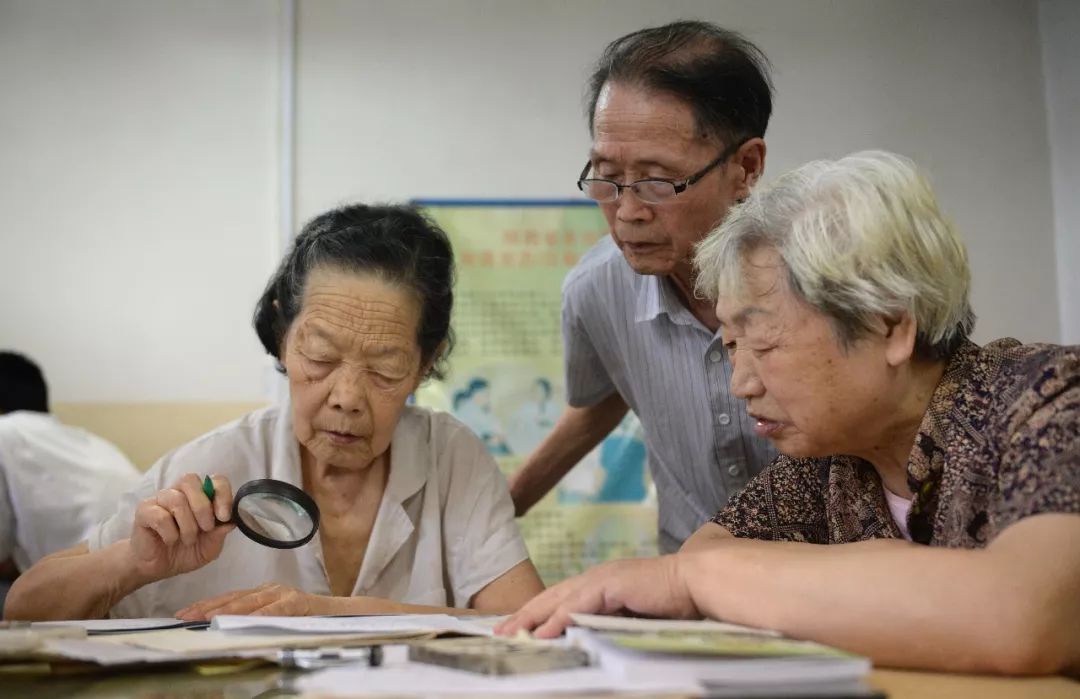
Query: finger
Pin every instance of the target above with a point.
(555, 625)
(203, 605)
(532, 614)
(178, 506)
(150, 515)
(586, 600)
(198, 503)
(246, 604)
(223, 498)
(290, 605)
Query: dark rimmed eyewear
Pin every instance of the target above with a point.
(650, 190)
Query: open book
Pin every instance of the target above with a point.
(712, 654)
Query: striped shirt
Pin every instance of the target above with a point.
(627, 332)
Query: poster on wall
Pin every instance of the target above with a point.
(506, 376)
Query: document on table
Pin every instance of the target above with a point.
(379, 624)
(598, 622)
(398, 677)
(96, 626)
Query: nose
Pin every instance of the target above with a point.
(349, 391)
(745, 382)
(628, 208)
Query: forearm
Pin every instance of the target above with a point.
(709, 535)
(74, 584)
(900, 604)
(576, 432)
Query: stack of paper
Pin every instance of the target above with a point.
(151, 641)
(715, 655)
(382, 625)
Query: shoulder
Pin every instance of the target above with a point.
(455, 456)
(231, 446)
(434, 428)
(602, 268)
(24, 421)
(1034, 381)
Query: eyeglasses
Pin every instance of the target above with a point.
(650, 191)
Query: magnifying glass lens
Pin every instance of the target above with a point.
(276, 514)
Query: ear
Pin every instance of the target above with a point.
(747, 166)
(900, 332)
(425, 368)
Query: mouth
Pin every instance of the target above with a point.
(639, 248)
(764, 427)
(343, 438)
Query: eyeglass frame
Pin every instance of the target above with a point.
(679, 186)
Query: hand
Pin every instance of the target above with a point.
(643, 586)
(266, 600)
(175, 530)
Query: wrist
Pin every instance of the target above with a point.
(121, 558)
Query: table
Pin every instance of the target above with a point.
(269, 682)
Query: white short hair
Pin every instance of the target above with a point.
(862, 237)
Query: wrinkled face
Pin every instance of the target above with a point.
(808, 394)
(639, 135)
(352, 360)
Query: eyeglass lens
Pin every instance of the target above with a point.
(649, 191)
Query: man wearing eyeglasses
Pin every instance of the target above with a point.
(678, 114)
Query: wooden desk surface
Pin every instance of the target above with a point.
(901, 684)
(170, 684)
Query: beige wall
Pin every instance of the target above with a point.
(146, 431)
(140, 163)
(427, 99)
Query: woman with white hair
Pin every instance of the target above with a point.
(944, 476)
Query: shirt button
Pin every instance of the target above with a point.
(723, 418)
(734, 469)
(715, 356)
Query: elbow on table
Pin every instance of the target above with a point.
(1038, 645)
(17, 606)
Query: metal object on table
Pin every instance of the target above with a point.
(498, 656)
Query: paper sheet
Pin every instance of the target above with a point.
(104, 652)
(599, 622)
(383, 624)
(182, 641)
(113, 625)
(398, 676)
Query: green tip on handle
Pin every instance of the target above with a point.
(208, 487)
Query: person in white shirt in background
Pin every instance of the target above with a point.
(56, 481)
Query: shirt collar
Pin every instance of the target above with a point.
(408, 475)
(655, 297)
(927, 460)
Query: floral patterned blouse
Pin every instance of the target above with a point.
(1000, 441)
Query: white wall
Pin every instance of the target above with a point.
(430, 98)
(138, 157)
(1060, 24)
(137, 193)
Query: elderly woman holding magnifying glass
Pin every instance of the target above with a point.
(414, 514)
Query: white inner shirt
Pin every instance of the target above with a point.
(899, 508)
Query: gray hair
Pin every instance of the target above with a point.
(720, 74)
(862, 238)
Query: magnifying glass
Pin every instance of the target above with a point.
(272, 513)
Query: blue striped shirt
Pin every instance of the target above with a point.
(627, 332)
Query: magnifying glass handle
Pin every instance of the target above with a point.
(208, 488)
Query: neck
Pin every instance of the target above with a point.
(339, 488)
(702, 309)
(891, 451)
